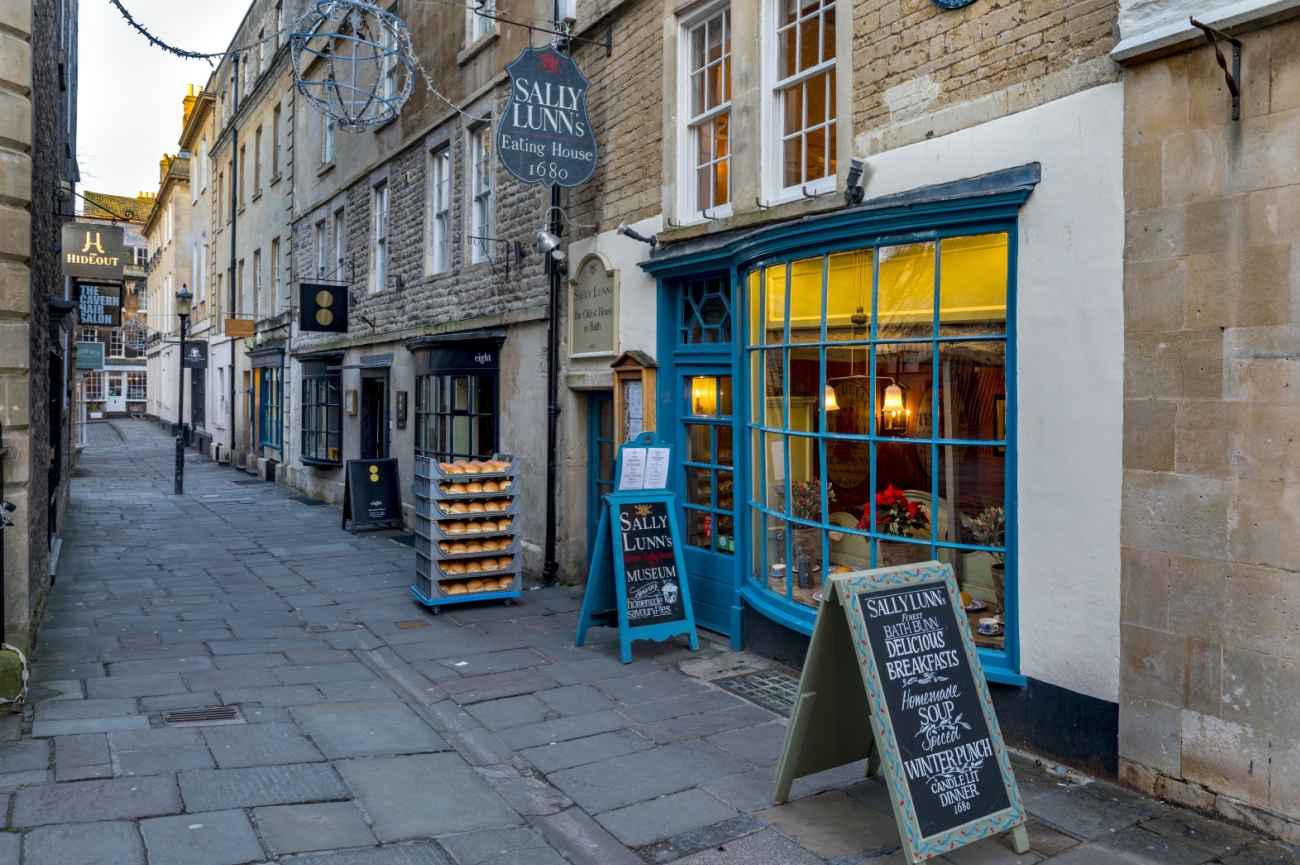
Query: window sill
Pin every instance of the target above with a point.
(325, 169)
(257, 195)
(383, 126)
(274, 180)
(474, 48)
(321, 464)
(240, 212)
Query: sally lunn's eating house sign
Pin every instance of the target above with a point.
(544, 135)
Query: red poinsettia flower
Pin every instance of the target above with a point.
(889, 497)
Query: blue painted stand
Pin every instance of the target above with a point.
(605, 601)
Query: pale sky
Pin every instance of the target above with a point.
(129, 105)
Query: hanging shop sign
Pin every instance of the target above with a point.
(923, 706)
(90, 355)
(92, 251)
(637, 580)
(371, 497)
(593, 309)
(237, 328)
(99, 305)
(544, 134)
(322, 307)
(195, 356)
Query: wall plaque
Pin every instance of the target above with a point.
(593, 309)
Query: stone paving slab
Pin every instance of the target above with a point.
(268, 744)
(577, 752)
(309, 828)
(217, 838)
(109, 843)
(88, 801)
(424, 795)
(833, 825)
(1096, 809)
(135, 686)
(502, 847)
(763, 848)
(494, 686)
(368, 729)
(76, 710)
(391, 854)
(10, 849)
(219, 789)
(46, 729)
(659, 819)
(633, 778)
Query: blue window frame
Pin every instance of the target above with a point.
(271, 407)
(951, 421)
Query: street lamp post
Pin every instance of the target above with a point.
(183, 298)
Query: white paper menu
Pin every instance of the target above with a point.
(656, 468)
(632, 476)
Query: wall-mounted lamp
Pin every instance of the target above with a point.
(829, 403)
(894, 414)
(624, 230)
(853, 191)
(704, 395)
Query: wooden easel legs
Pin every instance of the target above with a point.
(1020, 838)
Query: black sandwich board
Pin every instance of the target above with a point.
(892, 675)
(637, 581)
(371, 496)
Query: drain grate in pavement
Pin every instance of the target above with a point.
(303, 500)
(771, 689)
(326, 627)
(248, 482)
(209, 716)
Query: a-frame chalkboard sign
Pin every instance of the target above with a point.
(370, 494)
(637, 580)
(892, 675)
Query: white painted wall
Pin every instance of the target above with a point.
(1069, 334)
(1142, 16)
(637, 290)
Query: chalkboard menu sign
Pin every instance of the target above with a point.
(649, 554)
(637, 581)
(892, 650)
(372, 497)
(926, 683)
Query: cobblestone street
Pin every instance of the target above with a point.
(368, 731)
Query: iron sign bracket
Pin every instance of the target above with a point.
(1232, 77)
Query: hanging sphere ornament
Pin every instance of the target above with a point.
(135, 335)
(353, 62)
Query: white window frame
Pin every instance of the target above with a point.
(320, 250)
(275, 276)
(275, 143)
(327, 141)
(258, 311)
(440, 180)
(774, 89)
(480, 172)
(257, 162)
(688, 148)
(203, 165)
(340, 243)
(379, 219)
(480, 26)
(391, 70)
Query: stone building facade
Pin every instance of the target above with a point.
(170, 268)
(1211, 672)
(39, 85)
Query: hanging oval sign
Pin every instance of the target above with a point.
(544, 135)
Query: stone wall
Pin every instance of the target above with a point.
(921, 71)
(1211, 570)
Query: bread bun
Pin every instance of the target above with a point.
(505, 464)
(454, 588)
(458, 508)
(489, 546)
(504, 523)
(473, 547)
(489, 526)
(476, 508)
(455, 489)
(505, 484)
(474, 585)
(446, 508)
(490, 585)
(488, 564)
(446, 467)
(505, 562)
(456, 468)
(473, 568)
(491, 487)
(473, 467)
(473, 487)
(444, 546)
(457, 548)
(455, 527)
(455, 568)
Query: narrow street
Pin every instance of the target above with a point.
(364, 724)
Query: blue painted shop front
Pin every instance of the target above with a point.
(841, 391)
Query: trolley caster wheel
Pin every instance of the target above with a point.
(508, 601)
(435, 611)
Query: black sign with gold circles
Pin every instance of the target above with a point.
(323, 307)
(371, 495)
